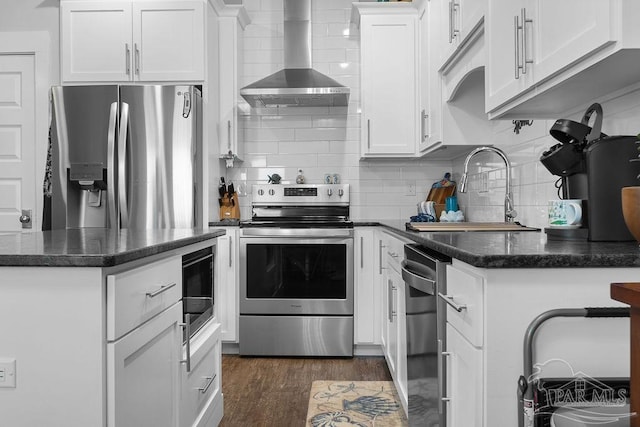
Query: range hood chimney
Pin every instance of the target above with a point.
(297, 84)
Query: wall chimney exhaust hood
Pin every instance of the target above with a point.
(297, 84)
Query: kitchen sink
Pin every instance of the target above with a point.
(467, 226)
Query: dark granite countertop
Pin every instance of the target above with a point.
(225, 223)
(94, 247)
(520, 249)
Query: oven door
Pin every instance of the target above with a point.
(296, 271)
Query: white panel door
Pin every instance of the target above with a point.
(168, 39)
(17, 139)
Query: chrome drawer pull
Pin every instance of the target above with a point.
(162, 289)
(209, 380)
(449, 300)
(187, 345)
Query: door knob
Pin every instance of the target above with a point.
(25, 218)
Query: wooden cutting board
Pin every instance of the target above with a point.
(467, 226)
(439, 195)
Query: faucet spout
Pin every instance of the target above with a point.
(509, 212)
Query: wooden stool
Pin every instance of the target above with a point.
(629, 293)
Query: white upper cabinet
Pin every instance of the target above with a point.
(116, 41)
(233, 20)
(389, 79)
(540, 66)
(458, 21)
(95, 40)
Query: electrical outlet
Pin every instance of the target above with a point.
(7, 373)
(410, 189)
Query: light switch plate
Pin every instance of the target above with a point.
(7, 373)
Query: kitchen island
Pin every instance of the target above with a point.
(92, 335)
(504, 280)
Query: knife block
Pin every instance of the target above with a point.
(229, 207)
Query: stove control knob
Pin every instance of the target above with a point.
(340, 192)
(272, 191)
(260, 192)
(329, 192)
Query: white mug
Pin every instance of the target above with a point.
(565, 213)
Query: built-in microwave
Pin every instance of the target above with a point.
(197, 289)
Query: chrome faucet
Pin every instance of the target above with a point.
(509, 212)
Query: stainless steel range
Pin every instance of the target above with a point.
(296, 272)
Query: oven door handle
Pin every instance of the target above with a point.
(423, 284)
(296, 233)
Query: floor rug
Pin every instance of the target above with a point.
(355, 403)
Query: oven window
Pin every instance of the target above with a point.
(308, 271)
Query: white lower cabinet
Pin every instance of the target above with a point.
(201, 397)
(368, 292)
(227, 279)
(143, 373)
(464, 381)
(394, 330)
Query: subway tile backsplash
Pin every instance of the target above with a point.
(327, 140)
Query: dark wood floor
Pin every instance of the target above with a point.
(274, 392)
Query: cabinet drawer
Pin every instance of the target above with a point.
(465, 291)
(202, 384)
(135, 296)
(393, 252)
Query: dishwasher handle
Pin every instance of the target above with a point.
(421, 283)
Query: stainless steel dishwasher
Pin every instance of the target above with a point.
(423, 272)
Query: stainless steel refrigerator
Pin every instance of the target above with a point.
(125, 157)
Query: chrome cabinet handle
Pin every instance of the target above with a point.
(525, 21)
(425, 134)
(137, 51)
(127, 53)
(229, 135)
(187, 327)
(368, 133)
(230, 251)
(209, 381)
(361, 252)
(449, 300)
(380, 246)
(393, 303)
(441, 367)
(389, 301)
(453, 32)
(163, 288)
(516, 41)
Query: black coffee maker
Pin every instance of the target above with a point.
(593, 167)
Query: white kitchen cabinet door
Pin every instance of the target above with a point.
(464, 382)
(367, 289)
(168, 40)
(231, 65)
(459, 19)
(556, 45)
(390, 99)
(226, 284)
(95, 41)
(143, 373)
(530, 43)
(504, 79)
(201, 387)
(430, 80)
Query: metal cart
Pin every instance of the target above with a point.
(534, 400)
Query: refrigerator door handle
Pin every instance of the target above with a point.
(122, 164)
(111, 174)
